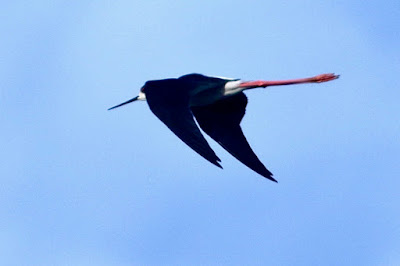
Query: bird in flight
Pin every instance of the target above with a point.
(218, 104)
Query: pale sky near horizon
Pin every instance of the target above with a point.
(81, 185)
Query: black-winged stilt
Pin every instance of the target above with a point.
(218, 104)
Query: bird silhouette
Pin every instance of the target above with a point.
(218, 104)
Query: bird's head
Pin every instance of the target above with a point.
(140, 97)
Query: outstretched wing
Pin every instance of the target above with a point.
(221, 121)
(169, 101)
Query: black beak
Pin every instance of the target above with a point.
(128, 101)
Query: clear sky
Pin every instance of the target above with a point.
(81, 185)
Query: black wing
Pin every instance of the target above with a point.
(221, 121)
(169, 101)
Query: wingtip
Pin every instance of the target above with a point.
(218, 164)
(269, 176)
(272, 179)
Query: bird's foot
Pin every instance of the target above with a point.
(325, 77)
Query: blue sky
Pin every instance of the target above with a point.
(84, 186)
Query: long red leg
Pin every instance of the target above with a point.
(263, 83)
